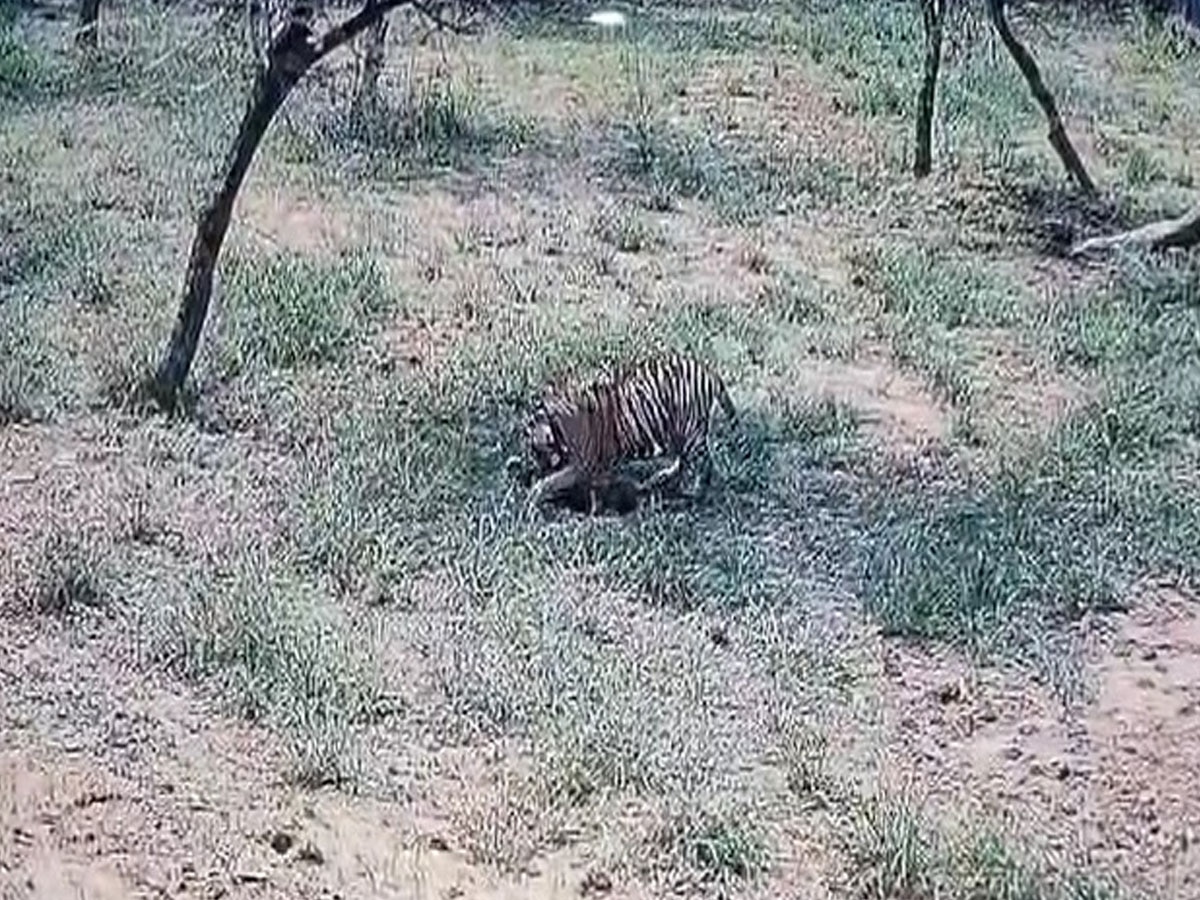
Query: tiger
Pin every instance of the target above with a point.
(660, 407)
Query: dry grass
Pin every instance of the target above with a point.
(689, 698)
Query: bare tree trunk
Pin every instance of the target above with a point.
(1027, 65)
(365, 107)
(933, 13)
(1189, 11)
(292, 54)
(89, 21)
(1181, 232)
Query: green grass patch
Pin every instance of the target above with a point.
(72, 573)
(934, 287)
(1000, 566)
(896, 851)
(288, 310)
(625, 228)
(428, 124)
(980, 566)
(1102, 501)
(722, 846)
(929, 300)
(23, 71)
(1148, 314)
(741, 184)
(275, 650)
(38, 379)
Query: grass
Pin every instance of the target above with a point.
(1064, 530)
(676, 686)
(897, 852)
(626, 229)
(673, 164)
(272, 648)
(719, 846)
(438, 122)
(73, 574)
(288, 311)
(22, 71)
(932, 307)
(34, 379)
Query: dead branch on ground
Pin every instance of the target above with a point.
(1181, 232)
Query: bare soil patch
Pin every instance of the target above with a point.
(1108, 779)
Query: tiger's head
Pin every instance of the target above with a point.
(544, 450)
(544, 442)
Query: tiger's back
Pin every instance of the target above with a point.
(665, 405)
(661, 406)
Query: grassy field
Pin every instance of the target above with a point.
(933, 633)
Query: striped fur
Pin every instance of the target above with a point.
(661, 407)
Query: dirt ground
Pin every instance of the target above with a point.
(119, 777)
(117, 780)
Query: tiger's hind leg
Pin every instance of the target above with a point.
(704, 474)
(698, 464)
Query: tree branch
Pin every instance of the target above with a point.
(1027, 65)
(292, 53)
(932, 12)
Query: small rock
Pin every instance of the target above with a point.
(950, 692)
(1027, 728)
(988, 714)
(1062, 769)
(1012, 751)
(439, 843)
(718, 635)
(1149, 654)
(595, 882)
(250, 875)
(311, 853)
(281, 842)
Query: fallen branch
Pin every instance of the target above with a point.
(1183, 231)
(1025, 62)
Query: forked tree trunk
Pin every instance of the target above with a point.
(933, 13)
(293, 52)
(1182, 232)
(89, 22)
(365, 108)
(1027, 65)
